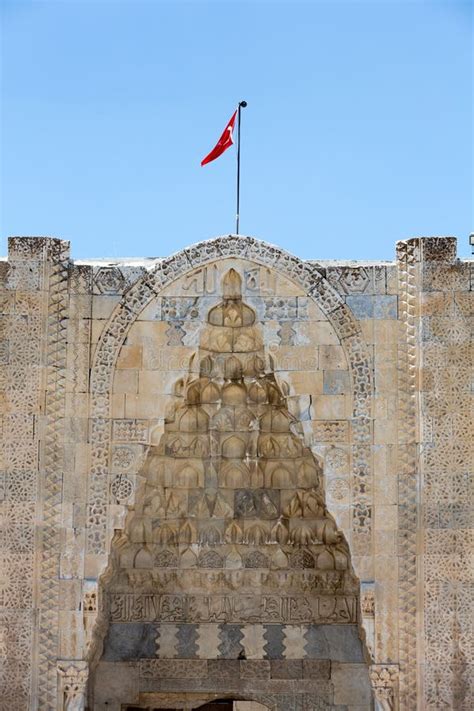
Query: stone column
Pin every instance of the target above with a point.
(72, 685)
(384, 680)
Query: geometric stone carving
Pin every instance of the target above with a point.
(52, 471)
(109, 280)
(407, 255)
(121, 488)
(350, 280)
(338, 489)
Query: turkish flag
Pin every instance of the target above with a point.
(224, 142)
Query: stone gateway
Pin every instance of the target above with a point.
(234, 480)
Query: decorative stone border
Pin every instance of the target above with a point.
(53, 466)
(408, 254)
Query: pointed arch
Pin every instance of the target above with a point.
(309, 276)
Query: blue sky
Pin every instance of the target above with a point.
(358, 130)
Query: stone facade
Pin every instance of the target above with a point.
(232, 473)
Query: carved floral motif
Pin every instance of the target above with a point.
(384, 680)
(73, 684)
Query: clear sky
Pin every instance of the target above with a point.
(358, 130)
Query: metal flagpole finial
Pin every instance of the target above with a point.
(243, 104)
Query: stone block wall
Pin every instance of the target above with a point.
(280, 685)
(377, 359)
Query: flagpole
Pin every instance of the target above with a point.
(242, 105)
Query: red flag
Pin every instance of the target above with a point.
(224, 142)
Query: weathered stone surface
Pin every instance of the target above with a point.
(255, 669)
(224, 668)
(128, 642)
(316, 669)
(287, 668)
(350, 684)
(111, 688)
(344, 644)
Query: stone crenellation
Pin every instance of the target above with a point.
(232, 473)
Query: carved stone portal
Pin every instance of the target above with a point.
(230, 552)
